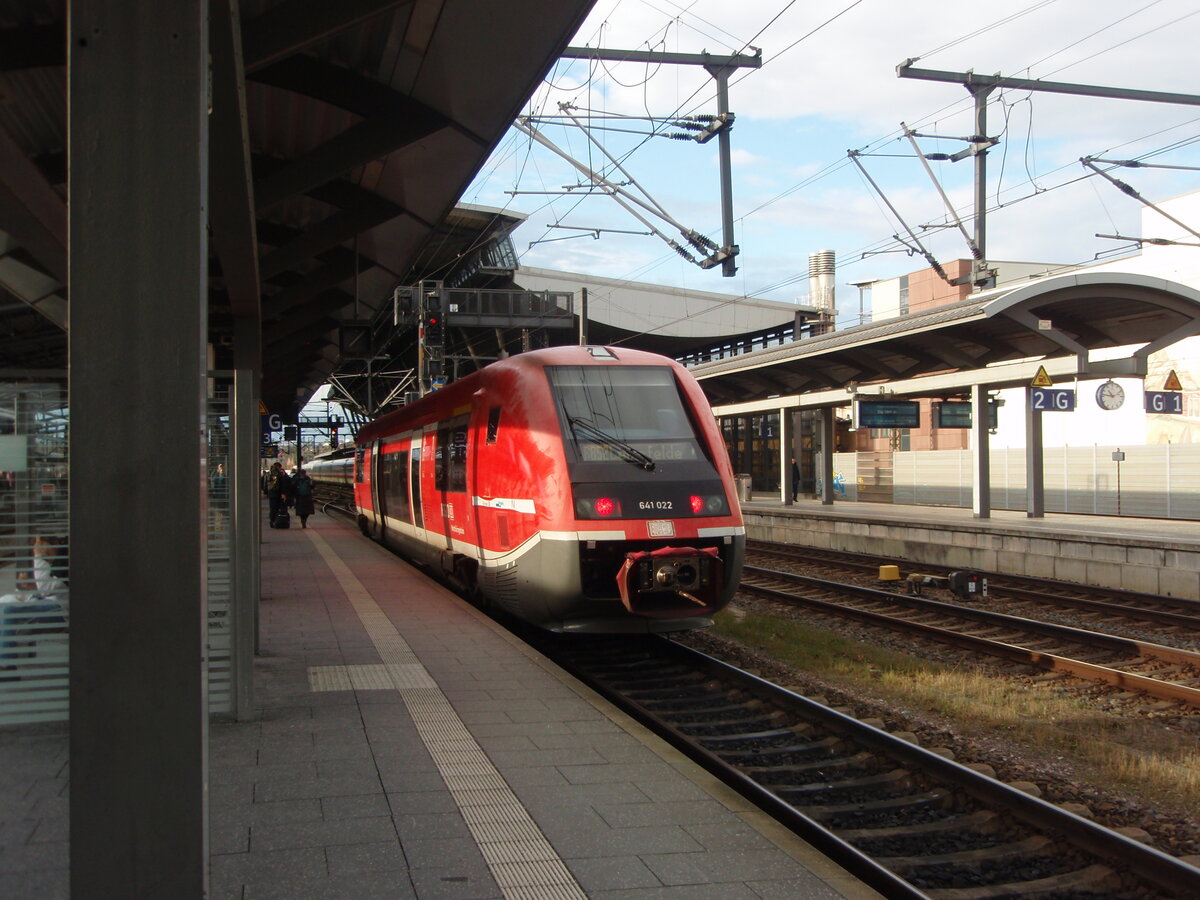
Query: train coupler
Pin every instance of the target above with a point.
(650, 580)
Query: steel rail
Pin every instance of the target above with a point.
(1148, 863)
(1049, 661)
(1158, 616)
(1020, 588)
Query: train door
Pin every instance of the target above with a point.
(450, 478)
(431, 508)
(414, 481)
(379, 480)
(377, 496)
(483, 439)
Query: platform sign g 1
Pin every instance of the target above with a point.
(1169, 403)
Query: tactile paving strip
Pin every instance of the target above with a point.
(524, 864)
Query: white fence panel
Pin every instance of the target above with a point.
(1154, 481)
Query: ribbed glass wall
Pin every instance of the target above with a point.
(220, 533)
(34, 556)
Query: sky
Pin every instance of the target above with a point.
(828, 85)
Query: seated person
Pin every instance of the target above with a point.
(46, 553)
(37, 605)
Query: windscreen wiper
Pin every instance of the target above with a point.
(598, 436)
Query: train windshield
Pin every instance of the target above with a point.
(630, 414)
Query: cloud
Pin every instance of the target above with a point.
(744, 158)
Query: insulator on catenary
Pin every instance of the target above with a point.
(682, 251)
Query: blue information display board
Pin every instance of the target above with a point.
(957, 414)
(889, 414)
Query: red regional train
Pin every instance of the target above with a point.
(582, 489)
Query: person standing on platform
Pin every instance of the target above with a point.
(302, 490)
(277, 487)
(218, 493)
(795, 480)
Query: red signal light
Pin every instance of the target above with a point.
(697, 503)
(604, 506)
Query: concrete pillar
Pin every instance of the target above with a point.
(787, 435)
(981, 453)
(246, 496)
(1035, 483)
(138, 108)
(828, 446)
(245, 515)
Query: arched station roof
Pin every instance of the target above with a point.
(341, 136)
(1049, 318)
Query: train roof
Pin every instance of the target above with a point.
(429, 408)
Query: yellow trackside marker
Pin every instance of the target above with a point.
(1041, 379)
(1172, 382)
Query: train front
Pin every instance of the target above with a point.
(660, 536)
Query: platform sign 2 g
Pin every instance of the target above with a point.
(1052, 399)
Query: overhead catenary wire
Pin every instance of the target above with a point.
(1007, 196)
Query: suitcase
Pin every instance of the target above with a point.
(283, 519)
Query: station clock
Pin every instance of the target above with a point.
(1110, 395)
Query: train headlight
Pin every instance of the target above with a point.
(597, 507)
(711, 504)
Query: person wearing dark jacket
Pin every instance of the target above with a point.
(277, 486)
(302, 492)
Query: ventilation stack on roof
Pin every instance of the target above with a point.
(822, 267)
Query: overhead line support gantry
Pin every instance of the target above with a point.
(719, 67)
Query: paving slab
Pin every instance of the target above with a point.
(405, 746)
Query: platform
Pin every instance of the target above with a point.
(408, 747)
(1154, 556)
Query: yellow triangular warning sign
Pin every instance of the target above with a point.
(1041, 379)
(262, 408)
(1172, 382)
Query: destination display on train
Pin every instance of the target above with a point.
(659, 451)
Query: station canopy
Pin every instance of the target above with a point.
(1065, 315)
(341, 137)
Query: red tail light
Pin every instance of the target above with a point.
(604, 506)
(697, 503)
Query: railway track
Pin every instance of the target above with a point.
(1173, 615)
(1166, 673)
(909, 821)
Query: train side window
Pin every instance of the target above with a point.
(458, 454)
(441, 459)
(394, 488)
(359, 463)
(493, 427)
(415, 481)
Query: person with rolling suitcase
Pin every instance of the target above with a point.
(277, 486)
